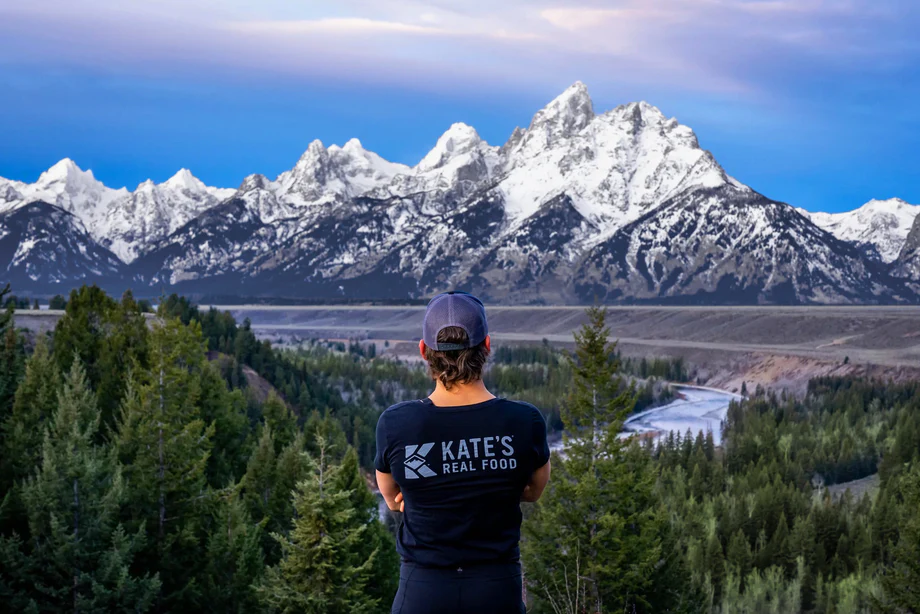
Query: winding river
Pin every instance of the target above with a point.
(695, 408)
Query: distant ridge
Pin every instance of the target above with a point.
(622, 206)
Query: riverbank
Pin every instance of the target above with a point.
(696, 408)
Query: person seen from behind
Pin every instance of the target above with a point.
(457, 464)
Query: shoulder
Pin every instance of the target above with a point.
(394, 411)
(521, 408)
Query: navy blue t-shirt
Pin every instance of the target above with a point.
(461, 471)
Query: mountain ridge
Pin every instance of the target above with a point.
(545, 217)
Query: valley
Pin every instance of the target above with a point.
(777, 347)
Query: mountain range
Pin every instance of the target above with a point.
(619, 207)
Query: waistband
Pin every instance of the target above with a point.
(504, 569)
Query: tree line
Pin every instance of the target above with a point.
(142, 468)
(678, 525)
(134, 478)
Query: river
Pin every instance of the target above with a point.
(695, 408)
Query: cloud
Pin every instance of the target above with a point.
(576, 19)
(351, 25)
(363, 26)
(727, 47)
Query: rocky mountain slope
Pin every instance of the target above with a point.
(43, 248)
(122, 221)
(731, 245)
(907, 264)
(879, 227)
(622, 206)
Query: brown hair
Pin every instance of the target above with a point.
(456, 366)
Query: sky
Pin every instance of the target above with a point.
(811, 102)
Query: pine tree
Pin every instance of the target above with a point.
(225, 412)
(379, 543)
(599, 538)
(17, 575)
(122, 346)
(328, 429)
(715, 560)
(268, 485)
(34, 402)
(164, 445)
(779, 546)
(323, 569)
(258, 482)
(291, 467)
(739, 555)
(281, 419)
(11, 357)
(901, 582)
(81, 556)
(82, 330)
(235, 562)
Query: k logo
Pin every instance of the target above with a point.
(416, 463)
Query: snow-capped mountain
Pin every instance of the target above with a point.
(907, 264)
(10, 192)
(122, 221)
(614, 166)
(330, 175)
(568, 180)
(135, 221)
(730, 245)
(46, 249)
(879, 227)
(624, 205)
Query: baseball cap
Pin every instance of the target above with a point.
(458, 309)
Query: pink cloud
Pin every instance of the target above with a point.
(699, 45)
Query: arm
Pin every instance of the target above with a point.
(385, 482)
(390, 491)
(538, 480)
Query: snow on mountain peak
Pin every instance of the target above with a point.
(324, 175)
(65, 170)
(613, 167)
(256, 181)
(261, 197)
(185, 180)
(879, 226)
(10, 191)
(459, 139)
(353, 145)
(65, 184)
(566, 114)
(643, 112)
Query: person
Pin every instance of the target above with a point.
(458, 464)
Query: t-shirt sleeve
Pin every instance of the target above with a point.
(381, 462)
(540, 445)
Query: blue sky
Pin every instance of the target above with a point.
(814, 102)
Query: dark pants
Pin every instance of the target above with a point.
(480, 589)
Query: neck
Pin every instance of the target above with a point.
(460, 394)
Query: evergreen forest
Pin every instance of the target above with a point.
(175, 462)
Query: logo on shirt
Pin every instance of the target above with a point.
(416, 463)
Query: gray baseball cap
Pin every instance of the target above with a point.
(455, 309)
